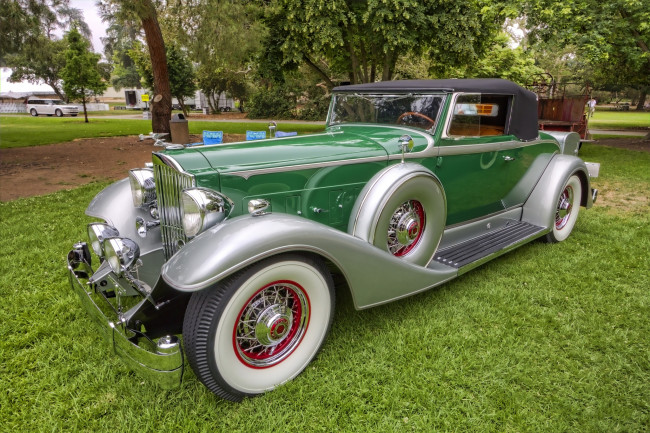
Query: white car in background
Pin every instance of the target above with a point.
(51, 107)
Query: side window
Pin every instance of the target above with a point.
(480, 115)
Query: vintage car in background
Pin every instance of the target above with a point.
(49, 107)
(225, 253)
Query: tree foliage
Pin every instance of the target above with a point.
(514, 64)
(81, 75)
(364, 39)
(224, 44)
(28, 41)
(121, 34)
(613, 37)
(40, 61)
(181, 73)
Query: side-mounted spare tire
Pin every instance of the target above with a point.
(401, 210)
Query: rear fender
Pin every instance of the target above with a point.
(540, 207)
(374, 276)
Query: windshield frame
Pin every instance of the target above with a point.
(397, 95)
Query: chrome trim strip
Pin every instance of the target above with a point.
(465, 149)
(246, 174)
(168, 160)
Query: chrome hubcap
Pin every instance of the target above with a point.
(564, 207)
(271, 324)
(405, 228)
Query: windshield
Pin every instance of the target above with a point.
(420, 111)
(58, 102)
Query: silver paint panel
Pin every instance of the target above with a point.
(374, 276)
(569, 141)
(540, 207)
(115, 206)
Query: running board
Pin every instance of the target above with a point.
(474, 252)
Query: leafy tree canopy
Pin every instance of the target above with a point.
(28, 41)
(82, 77)
(364, 39)
(613, 37)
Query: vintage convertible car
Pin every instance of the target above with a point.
(230, 248)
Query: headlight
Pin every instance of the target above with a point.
(98, 233)
(143, 187)
(201, 208)
(121, 254)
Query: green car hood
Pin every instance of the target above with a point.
(333, 145)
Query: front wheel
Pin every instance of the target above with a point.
(58, 113)
(261, 327)
(566, 210)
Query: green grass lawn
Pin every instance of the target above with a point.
(619, 120)
(23, 131)
(549, 338)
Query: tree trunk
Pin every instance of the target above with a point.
(322, 73)
(181, 102)
(83, 101)
(161, 105)
(57, 90)
(642, 98)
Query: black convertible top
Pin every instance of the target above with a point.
(523, 122)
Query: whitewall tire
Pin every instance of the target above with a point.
(261, 327)
(566, 210)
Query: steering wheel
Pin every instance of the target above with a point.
(417, 114)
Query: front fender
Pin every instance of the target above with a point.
(114, 205)
(374, 276)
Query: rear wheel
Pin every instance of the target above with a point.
(566, 211)
(261, 327)
(33, 112)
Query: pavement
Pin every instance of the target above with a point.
(627, 132)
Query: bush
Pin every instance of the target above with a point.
(276, 103)
(314, 109)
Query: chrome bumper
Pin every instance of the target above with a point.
(162, 362)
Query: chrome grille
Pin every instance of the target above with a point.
(170, 181)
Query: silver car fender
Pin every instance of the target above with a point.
(374, 276)
(114, 204)
(541, 205)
